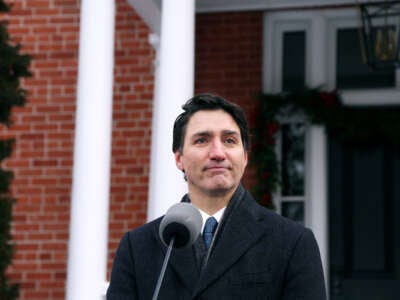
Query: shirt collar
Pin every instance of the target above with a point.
(218, 215)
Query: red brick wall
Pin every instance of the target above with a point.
(43, 152)
(229, 59)
(44, 132)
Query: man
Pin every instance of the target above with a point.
(254, 254)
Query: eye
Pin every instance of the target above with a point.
(200, 140)
(230, 140)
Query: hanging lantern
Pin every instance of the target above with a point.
(380, 33)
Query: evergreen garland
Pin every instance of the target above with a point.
(13, 66)
(357, 126)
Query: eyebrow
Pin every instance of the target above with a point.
(209, 133)
(230, 132)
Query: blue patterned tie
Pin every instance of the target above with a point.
(209, 229)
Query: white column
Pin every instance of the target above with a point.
(174, 85)
(316, 214)
(91, 171)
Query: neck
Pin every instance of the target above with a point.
(210, 203)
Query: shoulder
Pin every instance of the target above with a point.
(280, 227)
(294, 239)
(139, 239)
(144, 233)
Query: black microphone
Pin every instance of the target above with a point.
(179, 228)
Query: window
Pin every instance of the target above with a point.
(291, 74)
(293, 64)
(292, 192)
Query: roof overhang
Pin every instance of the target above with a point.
(203, 6)
(150, 10)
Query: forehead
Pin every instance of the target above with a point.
(211, 121)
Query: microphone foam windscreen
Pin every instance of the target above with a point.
(182, 221)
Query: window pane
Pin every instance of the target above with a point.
(293, 159)
(293, 60)
(293, 210)
(351, 72)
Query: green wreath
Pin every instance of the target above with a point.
(353, 125)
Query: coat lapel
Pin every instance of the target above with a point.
(241, 231)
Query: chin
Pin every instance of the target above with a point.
(219, 190)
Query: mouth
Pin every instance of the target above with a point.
(216, 168)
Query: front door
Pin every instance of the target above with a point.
(364, 214)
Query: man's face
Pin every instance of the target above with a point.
(213, 157)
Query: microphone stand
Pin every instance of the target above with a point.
(164, 267)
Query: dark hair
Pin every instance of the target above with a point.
(209, 102)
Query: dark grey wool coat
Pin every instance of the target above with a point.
(256, 254)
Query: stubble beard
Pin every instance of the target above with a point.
(215, 190)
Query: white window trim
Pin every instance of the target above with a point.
(275, 24)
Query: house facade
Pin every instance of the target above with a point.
(160, 57)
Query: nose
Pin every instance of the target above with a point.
(217, 151)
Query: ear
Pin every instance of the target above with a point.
(178, 160)
(246, 157)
